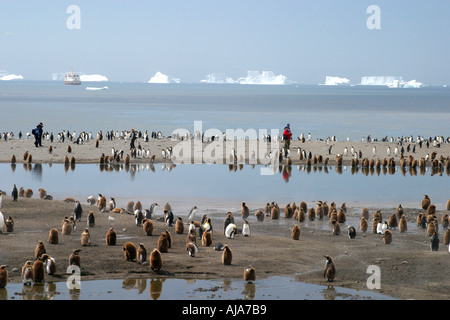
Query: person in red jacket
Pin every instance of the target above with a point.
(287, 136)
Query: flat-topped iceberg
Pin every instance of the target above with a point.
(336, 81)
(265, 77)
(390, 81)
(162, 78)
(217, 78)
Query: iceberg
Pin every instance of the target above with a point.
(266, 77)
(382, 81)
(5, 76)
(336, 81)
(413, 84)
(162, 78)
(217, 78)
(93, 78)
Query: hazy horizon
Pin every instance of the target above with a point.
(302, 40)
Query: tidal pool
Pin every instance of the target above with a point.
(275, 288)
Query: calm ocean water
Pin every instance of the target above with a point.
(323, 111)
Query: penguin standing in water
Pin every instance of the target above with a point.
(77, 211)
(330, 269)
(38, 270)
(249, 274)
(3, 276)
(155, 260)
(434, 242)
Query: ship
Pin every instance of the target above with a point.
(72, 78)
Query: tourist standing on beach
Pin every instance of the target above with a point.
(132, 138)
(37, 132)
(287, 136)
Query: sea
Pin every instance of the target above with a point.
(351, 112)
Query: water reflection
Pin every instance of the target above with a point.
(184, 289)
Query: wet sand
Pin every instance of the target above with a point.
(89, 153)
(409, 269)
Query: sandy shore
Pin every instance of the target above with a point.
(89, 153)
(409, 269)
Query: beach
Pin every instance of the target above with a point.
(409, 269)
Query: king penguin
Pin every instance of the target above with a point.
(3, 276)
(246, 229)
(230, 231)
(14, 193)
(351, 232)
(77, 211)
(330, 269)
(27, 273)
(434, 242)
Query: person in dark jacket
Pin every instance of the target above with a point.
(132, 138)
(37, 132)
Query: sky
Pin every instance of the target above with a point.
(188, 39)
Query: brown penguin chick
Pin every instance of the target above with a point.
(42, 193)
(448, 201)
(426, 202)
(447, 237)
(430, 218)
(288, 213)
(130, 206)
(431, 210)
(244, 211)
(341, 216)
(275, 212)
(191, 237)
(28, 193)
(13, 159)
(169, 238)
(49, 264)
(259, 215)
(53, 236)
(40, 250)
(444, 221)
(393, 222)
(402, 226)
(378, 215)
(155, 260)
(399, 211)
(3, 276)
(301, 217)
(329, 271)
(375, 223)
(69, 149)
(147, 226)
(138, 206)
(101, 203)
(206, 238)
(142, 254)
(419, 218)
(336, 228)
(74, 258)
(91, 219)
(431, 229)
(387, 237)
(67, 227)
(249, 274)
(304, 206)
(72, 160)
(21, 192)
(27, 272)
(38, 270)
(163, 243)
(25, 156)
(295, 233)
(319, 211)
(227, 255)
(311, 214)
(111, 237)
(179, 226)
(129, 251)
(333, 216)
(86, 237)
(325, 209)
(363, 224)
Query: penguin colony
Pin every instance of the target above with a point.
(44, 264)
